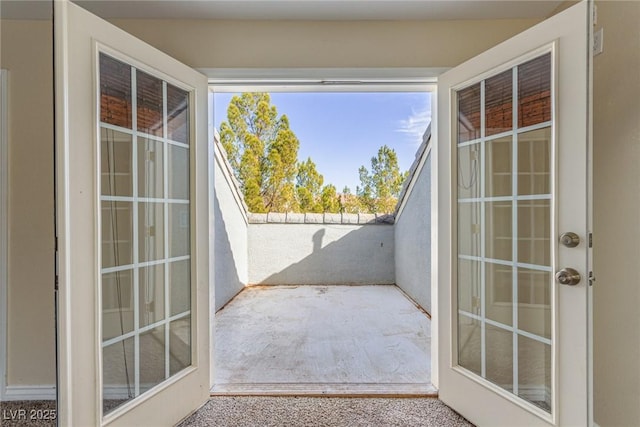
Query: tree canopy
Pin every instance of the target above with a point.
(263, 153)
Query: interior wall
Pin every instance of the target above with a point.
(230, 241)
(413, 241)
(27, 54)
(616, 223)
(319, 44)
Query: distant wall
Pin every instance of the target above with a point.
(230, 238)
(310, 254)
(413, 240)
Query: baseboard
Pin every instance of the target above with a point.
(30, 392)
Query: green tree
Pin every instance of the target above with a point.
(329, 199)
(263, 152)
(309, 187)
(350, 203)
(379, 188)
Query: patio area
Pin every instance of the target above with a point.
(366, 340)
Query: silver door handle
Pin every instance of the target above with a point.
(568, 276)
(570, 239)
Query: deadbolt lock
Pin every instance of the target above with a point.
(570, 239)
(568, 276)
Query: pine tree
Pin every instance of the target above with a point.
(381, 186)
(309, 187)
(263, 152)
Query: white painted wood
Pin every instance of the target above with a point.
(30, 392)
(4, 198)
(478, 400)
(79, 37)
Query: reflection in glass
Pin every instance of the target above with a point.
(180, 344)
(115, 92)
(498, 169)
(469, 113)
(116, 174)
(498, 101)
(469, 228)
(150, 168)
(150, 231)
(534, 301)
(499, 290)
(117, 304)
(469, 286)
(534, 162)
(534, 372)
(499, 356)
(151, 299)
(150, 108)
(178, 230)
(152, 358)
(534, 231)
(469, 349)
(117, 233)
(180, 286)
(498, 229)
(178, 173)
(534, 91)
(118, 384)
(177, 114)
(468, 171)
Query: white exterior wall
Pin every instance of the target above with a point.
(413, 240)
(314, 254)
(230, 241)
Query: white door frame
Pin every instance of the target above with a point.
(4, 205)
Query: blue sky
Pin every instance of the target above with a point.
(342, 131)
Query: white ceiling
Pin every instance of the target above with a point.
(322, 9)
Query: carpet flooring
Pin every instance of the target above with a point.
(28, 413)
(324, 411)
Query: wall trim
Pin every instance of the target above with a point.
(4, 188)
(30, 392)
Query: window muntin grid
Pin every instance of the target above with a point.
(145, 238)
(504, 278)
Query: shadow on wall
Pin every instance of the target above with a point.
(315, 254)
(226, 278)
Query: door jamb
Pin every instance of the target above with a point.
(4, 187)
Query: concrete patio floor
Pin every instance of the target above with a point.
(322, 340)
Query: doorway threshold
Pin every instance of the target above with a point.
(326, 390)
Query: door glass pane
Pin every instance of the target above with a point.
(150, 104)
(152, 358)
(468, 168)
(498, 103)
(498, 170)
(534, 162)
(534, 372)
(116, 173)
(499, 237)
(115, 92)
(118, 374)
(469, 113)
(150, 168)
(504, 242)
(499, 356)
(534, 91)
(469, 218)
(145, 231)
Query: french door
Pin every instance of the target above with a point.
(513, 224)
(132, 217)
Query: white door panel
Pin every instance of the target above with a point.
(133, 314)
(512, 171)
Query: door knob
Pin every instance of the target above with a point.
(570, 239)
(568, 276)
